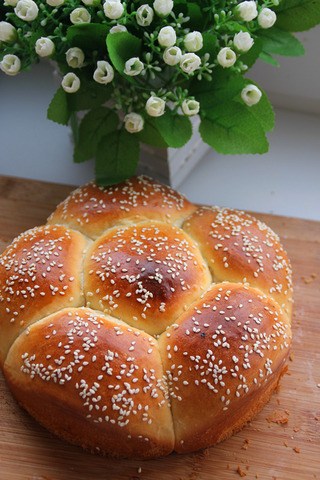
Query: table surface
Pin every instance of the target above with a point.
(282, 442)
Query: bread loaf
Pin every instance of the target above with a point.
(143, 323)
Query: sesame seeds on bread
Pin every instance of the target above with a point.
(143, 323)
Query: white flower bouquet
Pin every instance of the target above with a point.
(141, 69)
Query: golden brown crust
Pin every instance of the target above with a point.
(92, 209)
(220, 358)
(101, 380)
(211, 285)
(40, 273)
(240, 248)
(146, 274)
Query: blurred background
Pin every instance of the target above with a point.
(284, 181)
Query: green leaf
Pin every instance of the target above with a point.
(150, 134)
(88, 36)
(59, 110)
(122, 46)
(90, 95)
(298, 15)
(209, 46)
(197, 18)
(250, 57)
(95, 125)
(267, 58)
(223, 87)
(116, 158)
(280, 42)
(195, 13)
(232, 129)
(175, 129)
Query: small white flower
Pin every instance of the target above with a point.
(104, 72)
(190, 62)
(70, 83)
(172, 55)
(118, 28)
(44, 47)
(163, 7)
(190, 107)
(55, 3)
(193, 41)
(247, 10)
(251, 95)
(167, 36)
(242, 41)
(113, 9)
(91, 3)
(7, 32)
(80, 15)
(226, 57)
(75, 57)
(133, 122)
(26, 10)
(155, 106)
(133, 66)
(10, 64)
(144, 15)
(267, 18)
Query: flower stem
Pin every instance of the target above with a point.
(74, 127)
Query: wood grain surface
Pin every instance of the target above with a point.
(281, 443)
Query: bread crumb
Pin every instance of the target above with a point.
(291, 356)
(286, 444)
(245, 444)
(296, 429)
(278, 417)
(310, 279)
(296, 449)
(241, 472)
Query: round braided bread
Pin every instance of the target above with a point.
(135, 323)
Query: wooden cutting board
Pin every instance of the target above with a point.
(282, 443)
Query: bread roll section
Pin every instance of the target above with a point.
(92, 209)
(94, 381)
(143, 323)
(145, 274)
(40, 273)
(223, 359)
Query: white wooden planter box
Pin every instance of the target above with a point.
(173, 165)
